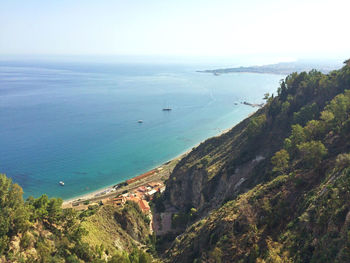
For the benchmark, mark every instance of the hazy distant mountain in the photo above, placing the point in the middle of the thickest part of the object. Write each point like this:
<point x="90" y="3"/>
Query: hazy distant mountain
<point x="281" y="68"/>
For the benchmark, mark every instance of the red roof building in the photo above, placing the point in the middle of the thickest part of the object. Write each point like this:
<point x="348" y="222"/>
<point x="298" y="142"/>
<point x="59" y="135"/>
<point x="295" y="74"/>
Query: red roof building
<point x="144" y="206"/>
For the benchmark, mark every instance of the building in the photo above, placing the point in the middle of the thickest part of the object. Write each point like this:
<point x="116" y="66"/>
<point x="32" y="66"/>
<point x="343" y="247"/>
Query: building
<point x="151" y="193"/>
<point x="143" y="204"/>
<point x="119" y="201"/>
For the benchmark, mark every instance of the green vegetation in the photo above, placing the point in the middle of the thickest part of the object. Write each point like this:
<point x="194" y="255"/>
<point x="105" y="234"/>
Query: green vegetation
<point x="275" y="188"/>
<point x="293" y="205"/>
<point x="280" y="161"/>
<point x="39" y="230"/>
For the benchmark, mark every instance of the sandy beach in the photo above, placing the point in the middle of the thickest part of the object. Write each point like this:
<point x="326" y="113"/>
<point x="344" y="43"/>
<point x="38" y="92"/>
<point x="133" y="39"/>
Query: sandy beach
<point x="161" y="173"/>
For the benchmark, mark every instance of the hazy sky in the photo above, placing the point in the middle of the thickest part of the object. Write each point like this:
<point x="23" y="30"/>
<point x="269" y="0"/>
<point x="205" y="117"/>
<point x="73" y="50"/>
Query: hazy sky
<point x="178" y="27"/>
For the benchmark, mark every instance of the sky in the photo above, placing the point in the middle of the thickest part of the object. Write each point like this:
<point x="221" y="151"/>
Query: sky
<point x="176" y="28"/>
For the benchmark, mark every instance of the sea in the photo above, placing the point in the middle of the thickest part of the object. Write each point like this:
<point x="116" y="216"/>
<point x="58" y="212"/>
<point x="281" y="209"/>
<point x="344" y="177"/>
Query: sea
<point x="78" y="122"/>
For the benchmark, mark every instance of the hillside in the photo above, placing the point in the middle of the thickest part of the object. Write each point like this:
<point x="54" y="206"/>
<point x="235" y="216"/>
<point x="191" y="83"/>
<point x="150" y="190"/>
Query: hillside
<point x="276" y="187"/>
<point x="39" y="230"/>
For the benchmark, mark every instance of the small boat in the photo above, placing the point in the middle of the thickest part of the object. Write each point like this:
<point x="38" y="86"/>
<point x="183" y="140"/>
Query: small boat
<point x="167" y="109"/>
<point x="61" y="183"/>
<point x="140" y="121"/>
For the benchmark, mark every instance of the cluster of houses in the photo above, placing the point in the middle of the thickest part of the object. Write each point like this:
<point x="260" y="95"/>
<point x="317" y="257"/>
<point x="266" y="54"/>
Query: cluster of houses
<point x="140" y="195"/>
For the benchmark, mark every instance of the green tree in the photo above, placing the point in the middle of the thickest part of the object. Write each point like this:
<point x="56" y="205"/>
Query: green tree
<point x="297" y="137"/>
<point x="314" y="130"/>
<point x="54" y="210"/>
<point x="312" y="152"/>
<point x="14" y="217"/>
<point x="285" y="107"/>
<point x="266" y="96"/>
<point x="256" y="125"/>
<point x="280" y="161"/>
<point x="339" y="107"/>
<point x="306" y="113"/>
<point x="343" y="161"/>
<point x="327" y="116"/>
<point x="134" y="256"/>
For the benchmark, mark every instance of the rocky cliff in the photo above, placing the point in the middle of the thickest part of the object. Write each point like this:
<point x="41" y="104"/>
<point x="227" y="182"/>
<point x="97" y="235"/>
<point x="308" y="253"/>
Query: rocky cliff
<point x="275" y="187"/>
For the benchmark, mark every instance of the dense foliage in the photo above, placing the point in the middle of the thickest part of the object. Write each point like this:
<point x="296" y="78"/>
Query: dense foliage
<point x="39" y="230"/>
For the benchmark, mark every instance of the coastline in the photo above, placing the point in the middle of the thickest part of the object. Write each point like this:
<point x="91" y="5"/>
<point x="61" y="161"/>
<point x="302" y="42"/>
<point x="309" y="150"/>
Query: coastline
<point x="163" y="172"/>
<point x="105" y="192"/>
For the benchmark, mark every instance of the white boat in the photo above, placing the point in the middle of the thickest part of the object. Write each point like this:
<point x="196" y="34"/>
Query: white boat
<point x="61" y="183"/>
<point x="140" y="121"/>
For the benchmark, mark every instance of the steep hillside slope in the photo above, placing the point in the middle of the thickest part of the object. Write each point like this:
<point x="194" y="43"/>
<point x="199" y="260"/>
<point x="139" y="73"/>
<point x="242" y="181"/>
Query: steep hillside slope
<point x="290" y="162"/>
<point x="39" y="230"/>
<point x="224" y="166"/>
<point x="118" y="229"/>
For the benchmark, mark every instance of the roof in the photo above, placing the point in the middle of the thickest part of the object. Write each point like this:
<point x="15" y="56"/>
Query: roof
<point x="144" y="205"/>
<point x="152" y="192"/>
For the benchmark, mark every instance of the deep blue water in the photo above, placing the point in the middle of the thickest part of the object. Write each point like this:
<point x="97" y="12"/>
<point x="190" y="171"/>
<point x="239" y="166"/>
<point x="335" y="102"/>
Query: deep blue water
<point x="77" y="122"/>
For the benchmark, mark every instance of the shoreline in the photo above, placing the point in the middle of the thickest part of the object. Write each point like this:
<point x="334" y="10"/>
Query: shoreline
<point x="107" y="191"/>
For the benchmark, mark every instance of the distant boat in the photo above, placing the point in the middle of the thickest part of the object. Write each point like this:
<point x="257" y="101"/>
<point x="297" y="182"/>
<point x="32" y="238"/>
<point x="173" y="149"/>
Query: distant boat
<point x="167" y="109"/>
<point x="140" y="121"/>
<point x="61" y="183"/>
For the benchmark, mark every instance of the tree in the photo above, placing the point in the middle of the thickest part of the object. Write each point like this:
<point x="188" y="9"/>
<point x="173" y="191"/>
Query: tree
<point x="285" y="107"/>
<point x="347" y="62"/>
<point x="282" y="91"/>
<point x="40" y="207"/>
<point x="134" y="256"/>
<point x="14" y="217"/>
<point x="312" y="152"/>
<point x="339" y="107"/>
<point x="54" y="209"/>
<point x="280" y="161"/>
<point x="343" y="160"/>
<point x="255" y="125"/>
<point x="297" y="137"/>
<point x="314" y="129"/>
<point x="327" y="116"/>
<point x="306" y="113"/>
<point x="266" y="96"/>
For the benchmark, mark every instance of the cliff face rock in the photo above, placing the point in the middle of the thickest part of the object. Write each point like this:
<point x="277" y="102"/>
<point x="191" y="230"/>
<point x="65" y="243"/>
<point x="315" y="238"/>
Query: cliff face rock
<point x="218" y="170"/>
<point x="133" y="222"/>
<point x="289" y="219"/>
<point x="187" y="188"/>
<point x="193" y="188"/>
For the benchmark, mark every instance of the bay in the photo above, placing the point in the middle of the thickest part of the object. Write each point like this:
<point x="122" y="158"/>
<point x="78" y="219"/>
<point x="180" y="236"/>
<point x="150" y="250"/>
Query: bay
<point x="78" y="122"/>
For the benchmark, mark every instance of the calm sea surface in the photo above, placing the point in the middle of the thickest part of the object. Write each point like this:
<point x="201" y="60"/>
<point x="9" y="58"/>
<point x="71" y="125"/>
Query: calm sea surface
<point x="77" y="123"/>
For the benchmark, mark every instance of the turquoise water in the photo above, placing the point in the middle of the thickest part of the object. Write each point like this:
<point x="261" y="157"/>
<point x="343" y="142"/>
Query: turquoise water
<point x="77" y="122"/>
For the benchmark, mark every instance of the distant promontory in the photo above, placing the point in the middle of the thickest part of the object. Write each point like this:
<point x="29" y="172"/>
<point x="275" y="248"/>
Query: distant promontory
<point x="283" y="68"/>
